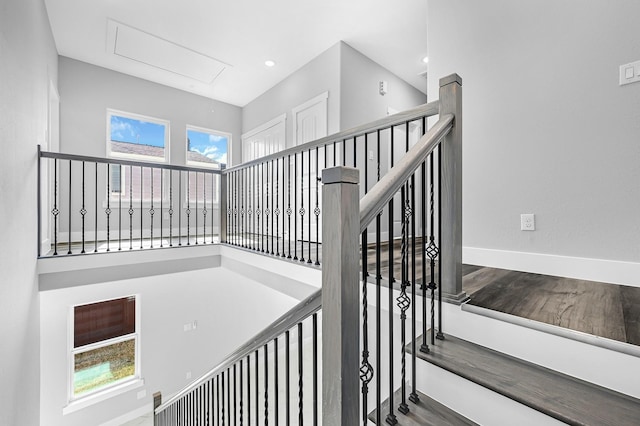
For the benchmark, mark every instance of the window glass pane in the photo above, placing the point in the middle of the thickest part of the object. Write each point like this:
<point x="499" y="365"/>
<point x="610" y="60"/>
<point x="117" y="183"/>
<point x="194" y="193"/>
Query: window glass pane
<point x="136" y="137"/>
<point x="103" y="366"/>
<point x="104" y="320"/>
<point x="207" y="148"/>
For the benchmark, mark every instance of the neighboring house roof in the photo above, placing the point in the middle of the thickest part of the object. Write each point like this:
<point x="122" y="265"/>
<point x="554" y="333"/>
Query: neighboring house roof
<point x="155" y="151"/>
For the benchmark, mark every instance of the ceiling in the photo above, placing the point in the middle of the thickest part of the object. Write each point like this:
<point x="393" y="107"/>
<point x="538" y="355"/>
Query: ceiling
<point x="218" y="48"/>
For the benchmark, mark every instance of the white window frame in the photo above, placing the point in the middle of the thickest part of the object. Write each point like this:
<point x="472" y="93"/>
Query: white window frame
<point x="212" y="132"/>
<point x="167" y="136"/>
<point x="113" y="389"/>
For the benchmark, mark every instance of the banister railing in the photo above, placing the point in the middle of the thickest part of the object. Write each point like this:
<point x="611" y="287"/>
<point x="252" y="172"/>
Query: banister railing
<point x="273" y="204"/>
<point x="425" y="185"/>
<point x="94" y="204"/>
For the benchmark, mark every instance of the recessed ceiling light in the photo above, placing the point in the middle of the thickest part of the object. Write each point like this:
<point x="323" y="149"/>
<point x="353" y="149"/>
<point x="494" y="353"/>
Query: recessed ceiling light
<point x="269" y="63"/>
<point x="425" y="59"/>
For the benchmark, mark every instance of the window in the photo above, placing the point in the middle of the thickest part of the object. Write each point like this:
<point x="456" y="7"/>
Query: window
<point x="207" y="148"/>
<point x="105" y="346"/>
<point x="139" y="138"/>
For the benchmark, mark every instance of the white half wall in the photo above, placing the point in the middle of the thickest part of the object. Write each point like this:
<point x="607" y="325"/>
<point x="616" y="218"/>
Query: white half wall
<point x="547" y="128"/>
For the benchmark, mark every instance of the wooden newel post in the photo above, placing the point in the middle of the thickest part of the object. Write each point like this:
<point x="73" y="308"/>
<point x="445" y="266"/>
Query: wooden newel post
<point x="157" y="401"/>
<point x="451" y="202"/>
<point x="223" y="207"/>
<point x="340" y="296"/>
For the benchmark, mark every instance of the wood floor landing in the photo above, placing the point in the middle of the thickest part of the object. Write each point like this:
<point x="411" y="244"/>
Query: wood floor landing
<point x="425" y="412"/>
<point x="606" y="310"/>
<point x="565" y="398"/>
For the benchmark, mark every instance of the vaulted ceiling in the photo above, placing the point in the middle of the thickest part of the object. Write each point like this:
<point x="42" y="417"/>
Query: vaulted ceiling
<point x="218" y="48"/>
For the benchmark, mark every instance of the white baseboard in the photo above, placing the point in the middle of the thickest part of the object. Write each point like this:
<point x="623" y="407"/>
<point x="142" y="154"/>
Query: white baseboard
<point x="609" y="271"/>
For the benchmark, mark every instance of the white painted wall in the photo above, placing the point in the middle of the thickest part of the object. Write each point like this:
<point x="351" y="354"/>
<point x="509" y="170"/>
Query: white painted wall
<point x="218" y="299"/>
<point x="320" y="75"/>
<point x="29" y="61"/>
<point x="547" y="128"/>
<point x="360" y="100"/>
<point x="86" y="91"/>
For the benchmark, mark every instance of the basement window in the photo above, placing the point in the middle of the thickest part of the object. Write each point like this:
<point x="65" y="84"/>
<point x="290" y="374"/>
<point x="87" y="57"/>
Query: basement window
<point x="105" y="346"/>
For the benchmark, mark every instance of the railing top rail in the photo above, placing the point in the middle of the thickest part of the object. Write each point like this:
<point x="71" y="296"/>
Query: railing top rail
<point x="426" y="110"/>
<point x="89" y="159"/>
<point x="298" y="313"/>
<point x="373" y="202"/>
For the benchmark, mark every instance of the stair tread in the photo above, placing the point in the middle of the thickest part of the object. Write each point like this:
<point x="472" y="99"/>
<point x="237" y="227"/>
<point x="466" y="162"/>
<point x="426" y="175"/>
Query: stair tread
<point x="425" y="412"/>
<point x="558" y="395"/>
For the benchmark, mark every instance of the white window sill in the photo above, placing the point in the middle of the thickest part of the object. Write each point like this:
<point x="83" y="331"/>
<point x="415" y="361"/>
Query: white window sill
<point x="84" y="402"/>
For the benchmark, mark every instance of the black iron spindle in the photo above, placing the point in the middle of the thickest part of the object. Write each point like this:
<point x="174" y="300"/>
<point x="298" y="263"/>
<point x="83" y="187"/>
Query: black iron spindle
<point x="170" y="208"/>
<point x="107" y="211"/>
<point x="287" y="379"/>
<point x="257" y="395"/>
<point x="274" y="198"/>
<point x="249" y="390"/>
<point x="69" y="230"/>
<point x="440" y="334"/>
<point x="261" y="186"/>
<point x="316" y="211"/>
<point x="314" y="319"/>
<point x="391" y="417"/>
<point x="309" y="200"/>
<point x="275" y="381"/>
<point x="403" y="299"/>
<point x="295" y="203"/>
<point x="300" y="372"/>
<point x="95" y="210"/>
<point x="235" y="395"/>
<point x="277" y="214"/>
<point x="424" y="347"/>
<point x="241" y="395"/>
<point x="289" y="211"/>
<point x="204" y="208"/>
<point x="141" y="206"/>
<point x="151" y="212"/>
<point x="188" y="212"/>
<point x="55" y="211"/>
<point x="266" y="386"/>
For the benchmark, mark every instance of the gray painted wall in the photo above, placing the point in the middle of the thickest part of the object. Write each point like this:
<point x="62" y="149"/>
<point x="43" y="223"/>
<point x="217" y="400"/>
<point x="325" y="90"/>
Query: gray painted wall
<point x="86" y="91"/>
<point x="29" y="62"/>
<point x="212" y="297"/>
<point x="360" y="100"/>
<point x="318" y="76"/>
<point x="547" y="128"/>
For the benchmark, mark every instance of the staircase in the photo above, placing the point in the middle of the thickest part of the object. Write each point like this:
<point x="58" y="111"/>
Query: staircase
<point x="304" y="367"/>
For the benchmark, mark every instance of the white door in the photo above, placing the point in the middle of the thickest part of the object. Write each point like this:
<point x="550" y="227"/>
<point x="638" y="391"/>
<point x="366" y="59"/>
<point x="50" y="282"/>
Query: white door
<point x="265" y="139"/>
<point x="309" y="124"/>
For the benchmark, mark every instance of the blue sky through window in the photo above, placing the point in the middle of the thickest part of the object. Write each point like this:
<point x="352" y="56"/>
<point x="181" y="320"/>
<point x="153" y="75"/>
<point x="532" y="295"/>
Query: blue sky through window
<point x="210" y="145"/>
<point x="125" y="129"/>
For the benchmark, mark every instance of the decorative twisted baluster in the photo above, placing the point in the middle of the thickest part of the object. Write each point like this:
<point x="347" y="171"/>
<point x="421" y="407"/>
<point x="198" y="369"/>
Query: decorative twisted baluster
<point x="403" y="300"/>
<point x="366" y="370"/>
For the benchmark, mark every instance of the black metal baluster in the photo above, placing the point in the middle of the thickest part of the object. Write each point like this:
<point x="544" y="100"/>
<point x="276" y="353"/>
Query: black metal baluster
<point x="267" y="211"/>
<point x="266" y="386"/>
<point x="309" y="199"/>
<point x="241" y="395"/>
<point x="413" y="397"/>
<point x="95" y="209"/>
<point x="344" y="152"/>
<point x="423" y="285"/>
<point x="250" y="206"/>
<point x="130" y="207"/>
<point x="141" y="206"/>
<point x="188" y="212"/>
<point x="151" y="212"/>
<point x="69" y="230"/>
<point x="242" y="213"/>
<point x="274" y="198"/>
<point x="119" y="210"/>
<point x="289" y="211"/>
<point x="262" y="232"/>
<point x="314" y="319"/>
<point x="378" y="298"/>
<point x="171" y="208"/>
<point x="180" y="208"/>
<point x="223" y="421"/>
<point x="235" y="395"/>
<point x="275" y="380"/>
<point x="277" y="213"/>
<point x="257" y="390"/>
<point x="204" y="208"/>
<point x="302" y="210"/>
<point x="316" y="211"/>
<point x="228" y="397"/>
<point x="354" y="153"/>
<point x="391" y="417"/>
<point x="440" y="334"/>
<point x="287" y="379"/>
<point x="300" y="371"/>
<point x="403" y="299"/>
<point x="334" y="154"/>
<point x="108" y="209"/>
<point x="213" y="188"/>
<point x="295" y="203"/>
<point x="55" y="211"/>
<point x="196" y="208"/>
<point x="366" y="371"/>
<point x="249" y="390"/>
<point x="161" y="207"/>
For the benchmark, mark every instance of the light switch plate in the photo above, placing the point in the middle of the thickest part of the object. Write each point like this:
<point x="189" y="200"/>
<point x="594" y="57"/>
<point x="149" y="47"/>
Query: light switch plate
<point x="629" y="73"/>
